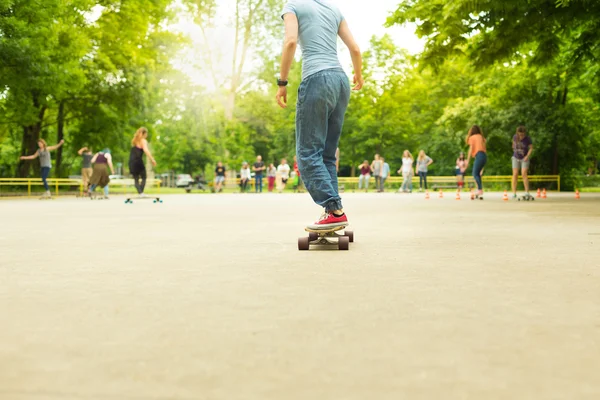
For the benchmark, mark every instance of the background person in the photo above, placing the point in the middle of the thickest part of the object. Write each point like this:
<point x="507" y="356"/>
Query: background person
<point x="460" y="170"/>
<point x="271" y="175"/>
<point x="365" y="175"/>
<point x="522" y="149"/>
<point x="139" y="147"/>
<point x="258" y="168"/>
<point x="477" y="150"/>
<point x="376" y="169"/>
<point x="244" y="176"/>
<point x="86" y="166"/>
<point x="423" y="162"/>
<point x="407" y="172"/>
<point x="219" y="177"/>
<point x="283" y="169"/>
<point x="102" y="162"/>
<point x="385" y="172"/>
<point x="43" y="153"/>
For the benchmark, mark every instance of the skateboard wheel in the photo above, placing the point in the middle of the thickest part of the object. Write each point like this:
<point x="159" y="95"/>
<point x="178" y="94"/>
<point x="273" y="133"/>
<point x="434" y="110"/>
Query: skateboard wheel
<point x="154" y="201"/>
<point x="344" y="243"/>
<point x="350" y="236"/>
<point x="160" y="201"/>
<point x="303" y="243"/>
<point x="312" y="236"/>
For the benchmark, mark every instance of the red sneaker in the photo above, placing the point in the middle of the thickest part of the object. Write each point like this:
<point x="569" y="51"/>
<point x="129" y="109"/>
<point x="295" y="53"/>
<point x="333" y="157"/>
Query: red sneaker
<point x="329" y="220"/>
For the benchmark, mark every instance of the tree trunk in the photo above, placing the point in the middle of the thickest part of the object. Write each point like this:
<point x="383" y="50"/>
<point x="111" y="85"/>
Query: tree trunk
<point x="60" y="129"/>
<point x="31" y="134"/>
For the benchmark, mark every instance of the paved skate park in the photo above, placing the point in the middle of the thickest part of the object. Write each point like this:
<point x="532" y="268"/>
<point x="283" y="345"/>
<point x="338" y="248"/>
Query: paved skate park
<point x="208" y="297"/>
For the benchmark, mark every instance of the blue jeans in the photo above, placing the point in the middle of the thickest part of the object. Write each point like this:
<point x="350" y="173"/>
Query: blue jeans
<point x="480" y="160"/>
<point x="322" y="101"/>
<point x="258" y="183"/>
<point x="45" y="173"/>
<point x="422" y="179"/>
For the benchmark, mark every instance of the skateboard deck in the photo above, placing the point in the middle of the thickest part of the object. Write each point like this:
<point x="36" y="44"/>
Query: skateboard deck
<point x="327" y="237"/>
<point x="97" y="196"/>
<point x="526" y="197"/>
<point x="130" y="200"/>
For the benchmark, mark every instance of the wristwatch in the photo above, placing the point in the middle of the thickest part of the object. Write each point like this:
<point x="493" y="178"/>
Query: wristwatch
<point x="281" y="83"/>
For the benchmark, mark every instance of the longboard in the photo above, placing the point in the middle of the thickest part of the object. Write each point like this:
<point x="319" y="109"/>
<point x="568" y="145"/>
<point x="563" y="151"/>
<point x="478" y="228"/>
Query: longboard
<point x="327" y="237"/>
<point x="526" y="197"/>
<point x="129" y="200"/>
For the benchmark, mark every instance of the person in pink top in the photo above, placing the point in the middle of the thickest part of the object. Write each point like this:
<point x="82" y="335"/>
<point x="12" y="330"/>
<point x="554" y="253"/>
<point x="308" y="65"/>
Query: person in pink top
<point x="461" y="169"/>
<point x="477" y="150"/>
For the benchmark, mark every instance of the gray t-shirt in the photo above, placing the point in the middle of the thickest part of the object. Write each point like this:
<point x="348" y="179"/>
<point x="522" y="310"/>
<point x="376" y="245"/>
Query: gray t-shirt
<point x="87" y="160"/>
<point x="318" y="25"/>
<point x="422" y="164"/>
<point x="45" y="160"/>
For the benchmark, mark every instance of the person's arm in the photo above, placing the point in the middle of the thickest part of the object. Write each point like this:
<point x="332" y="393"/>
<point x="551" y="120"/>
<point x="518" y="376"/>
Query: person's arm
<point x="110" y="164"/>
<point x="81" y="150"/>
<point x="31" y="157"/>
<point x="290" y="43"/>
<point x="147" y="152"/>
<point x="528" y="153"/>
<point x="94" y="158"/>
<point x="430" y="162"/>
<point x="348" y="39"/>
<point x="52" y="148"/>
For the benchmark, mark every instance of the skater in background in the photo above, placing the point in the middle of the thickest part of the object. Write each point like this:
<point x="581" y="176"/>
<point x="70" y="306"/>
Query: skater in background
<point x="522" y="148"/>
<point x="407" y="172"/>
<point x="102" y="162"/>
<point x="271" y="175"/>
<point x="139" y="147"/>
<point x="477" y="150"/>
<point x="365" y="175"/>
<point x="43" y="153"/>
<point x="460" y="170"/>
<point x="86" y="166"/>
<point x="219" y="177"/>
<point x="423" y="162"/>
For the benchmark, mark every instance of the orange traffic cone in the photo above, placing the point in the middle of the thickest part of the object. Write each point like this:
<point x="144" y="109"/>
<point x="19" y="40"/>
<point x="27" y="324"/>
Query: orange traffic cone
<point x="441" y="194"/>
<point x="577" y="195"/>
<point x="539" y="194"/>
<point x="544" y="193"/>
<point x="505" y="197"/>
<point x="458" y="195"/>
<point x="427" y="195"/>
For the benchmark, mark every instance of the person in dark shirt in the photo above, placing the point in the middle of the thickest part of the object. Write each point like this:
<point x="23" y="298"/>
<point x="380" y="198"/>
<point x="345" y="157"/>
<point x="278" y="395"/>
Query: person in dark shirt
<point x="86" y="166"/>
<point x="258" y="168"/>
<point x="522" y="148"/>
<point x="219" y="177"/>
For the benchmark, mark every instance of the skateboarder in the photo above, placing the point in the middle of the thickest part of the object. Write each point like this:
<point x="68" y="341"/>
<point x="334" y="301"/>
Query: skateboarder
<point x="139" y="147"/>
<point x="323" y="97"/>
<point x="522" y="149"/>
<point x="460" y="170"/>
<point x="86" y="166"/>
<point x="477" y="150"/>
<point x="102" y="161"/>
<point x="45" y="161"/>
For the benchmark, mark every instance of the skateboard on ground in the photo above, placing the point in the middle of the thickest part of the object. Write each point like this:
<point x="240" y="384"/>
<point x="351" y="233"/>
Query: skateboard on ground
<point x="44" y="197"/>
<point x="129" y="200"/>
<point x="327" y="237"/>
<point x="476" y="196"/>
<point x="97" y="196"/>
<point x="526" y="197"/>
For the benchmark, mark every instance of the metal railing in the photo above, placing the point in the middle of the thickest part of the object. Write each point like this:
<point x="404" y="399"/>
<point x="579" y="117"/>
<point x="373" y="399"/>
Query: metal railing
<point x="56" y="183"/>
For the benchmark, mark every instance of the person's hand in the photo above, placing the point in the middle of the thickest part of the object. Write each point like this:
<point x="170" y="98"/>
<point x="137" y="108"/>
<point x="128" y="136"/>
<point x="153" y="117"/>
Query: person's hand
<point x="281" y="96"/>
<point x="358" y="82"/>
<point x="153" y="162"/>
<point x="61" y="141"/>
<point x="22" y="158"/>
<point x="526" y="158"/>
